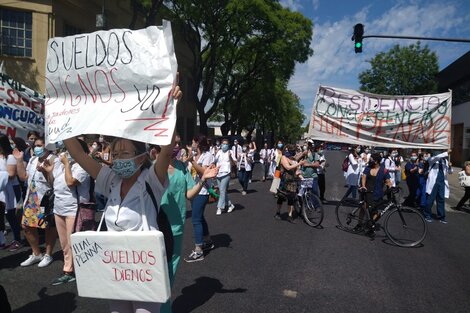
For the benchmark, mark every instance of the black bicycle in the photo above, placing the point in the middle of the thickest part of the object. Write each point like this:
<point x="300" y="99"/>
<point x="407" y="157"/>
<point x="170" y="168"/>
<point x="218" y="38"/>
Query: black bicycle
<point x="308" y="204"/>
<point x="404" y="226"/>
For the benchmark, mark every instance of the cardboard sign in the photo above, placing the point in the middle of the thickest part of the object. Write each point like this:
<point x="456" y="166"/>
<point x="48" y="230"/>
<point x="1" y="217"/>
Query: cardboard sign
<point x="21" y="108"/>
<point x="121" y="265"/>
<point x="349" y="116"/>
<point x="114" y="83"/>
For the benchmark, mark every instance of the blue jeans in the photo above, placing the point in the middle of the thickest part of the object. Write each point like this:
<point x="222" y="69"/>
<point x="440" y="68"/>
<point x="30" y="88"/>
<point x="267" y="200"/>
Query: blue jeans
<point x="352" y="189"/>
<point x="421" y="192"/>
<point x="200" y="227"/>
<point x="243" y="178"/>
<point x="222" y="182"/>
<point x="437" y="194"/>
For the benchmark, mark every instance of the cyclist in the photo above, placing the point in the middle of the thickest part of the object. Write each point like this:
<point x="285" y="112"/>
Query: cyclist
<point x="374" y="179"/>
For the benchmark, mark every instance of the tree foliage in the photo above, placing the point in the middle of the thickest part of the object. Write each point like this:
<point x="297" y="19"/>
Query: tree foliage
<point x="238" y="46"/>
<point x="409" y="70"/>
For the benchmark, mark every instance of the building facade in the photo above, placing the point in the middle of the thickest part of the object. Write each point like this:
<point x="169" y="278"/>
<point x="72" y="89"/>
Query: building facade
<point x="26" y="26"/>
<point x="456" y="77"/>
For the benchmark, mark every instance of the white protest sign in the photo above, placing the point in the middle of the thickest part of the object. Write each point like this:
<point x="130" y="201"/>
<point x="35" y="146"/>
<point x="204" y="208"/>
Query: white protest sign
<point x="114" y="83"/>
<point x="21" y="108"/>
<point x="349" y="116"/>
<point x="123" y="265"/>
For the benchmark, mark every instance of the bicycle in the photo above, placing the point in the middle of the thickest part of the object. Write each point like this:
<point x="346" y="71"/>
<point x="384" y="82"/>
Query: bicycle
<point x="404" y="226"/>
<point x="308" y="204"/>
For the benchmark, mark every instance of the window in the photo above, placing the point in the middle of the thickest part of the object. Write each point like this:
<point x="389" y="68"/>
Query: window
<point x="16" y="33"/>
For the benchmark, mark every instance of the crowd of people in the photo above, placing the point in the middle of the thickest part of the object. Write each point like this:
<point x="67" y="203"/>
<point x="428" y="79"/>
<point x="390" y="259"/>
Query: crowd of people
<point x="109" y="174"/>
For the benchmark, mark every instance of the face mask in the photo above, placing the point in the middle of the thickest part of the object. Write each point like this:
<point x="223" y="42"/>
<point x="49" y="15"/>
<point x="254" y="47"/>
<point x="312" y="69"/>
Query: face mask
<point x="94" y="147"/>
<point x="320" y="151"/>
<point x="31" y="143"/>
<point x="217" y="143"/>
<point x="39" y="151"/>
<point x="244" y="149"/>
<point x="367" y="150"/>
<point x="413" y="158"/>
<point x="358" y="150"/>
<point x="101" y="139"/>
<point x="224" y="147"/>
<point x="280" y="145"/>
<point x="394" y="154"/>
<point x="426" y="158"/>
<point x="125" y="168"/>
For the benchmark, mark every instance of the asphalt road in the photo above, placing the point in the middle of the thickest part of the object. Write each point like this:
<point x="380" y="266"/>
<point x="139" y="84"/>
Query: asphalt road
<point x="264" y="265"/>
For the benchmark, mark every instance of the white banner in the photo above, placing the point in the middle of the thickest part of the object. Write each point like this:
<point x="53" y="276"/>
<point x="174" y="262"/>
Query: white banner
<point x="127" y="265"/>
<point x="114" y="83"/>
<point x="349" y="116"/>
<point x="21" y="108"/>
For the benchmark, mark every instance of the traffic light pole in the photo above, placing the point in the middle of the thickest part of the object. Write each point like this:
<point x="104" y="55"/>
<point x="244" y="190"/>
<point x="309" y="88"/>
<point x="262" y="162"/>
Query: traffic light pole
<point x="419" y="38"/>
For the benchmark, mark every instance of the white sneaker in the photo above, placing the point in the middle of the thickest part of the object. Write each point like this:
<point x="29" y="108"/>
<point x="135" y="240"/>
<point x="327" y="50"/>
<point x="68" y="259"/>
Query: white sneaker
<point x="230" y="208"/>
<point x="46" y="260"/>
<point x="219" y="211"/>
<point x="32" y="260"/>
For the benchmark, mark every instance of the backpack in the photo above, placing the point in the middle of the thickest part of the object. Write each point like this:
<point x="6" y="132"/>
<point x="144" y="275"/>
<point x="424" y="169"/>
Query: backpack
<point x="345" y="164"/>
<point x="163" y="225"/>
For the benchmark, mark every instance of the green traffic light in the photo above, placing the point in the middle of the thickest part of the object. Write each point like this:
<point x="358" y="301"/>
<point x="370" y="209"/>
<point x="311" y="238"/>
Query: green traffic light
<point x="358" y="45"/>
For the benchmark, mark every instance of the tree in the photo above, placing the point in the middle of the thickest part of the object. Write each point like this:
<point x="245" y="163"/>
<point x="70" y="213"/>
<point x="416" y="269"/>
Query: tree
<point x="147" y="8"/>
<point x="235" y="43"/>
<point x="407" y="70"/>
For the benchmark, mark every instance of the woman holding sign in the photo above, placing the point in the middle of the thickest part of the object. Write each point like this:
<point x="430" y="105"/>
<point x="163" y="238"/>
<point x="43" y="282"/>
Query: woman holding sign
<point x="125" y="186"/>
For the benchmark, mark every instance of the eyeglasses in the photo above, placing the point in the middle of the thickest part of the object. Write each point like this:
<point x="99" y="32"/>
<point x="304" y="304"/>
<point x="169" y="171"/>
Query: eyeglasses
<point x="123" y="155"/>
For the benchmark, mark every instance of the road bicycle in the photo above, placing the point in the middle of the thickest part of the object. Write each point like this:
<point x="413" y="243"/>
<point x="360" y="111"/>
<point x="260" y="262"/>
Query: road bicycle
<point x="308" y="204"/>
<point x="404" y="226"/>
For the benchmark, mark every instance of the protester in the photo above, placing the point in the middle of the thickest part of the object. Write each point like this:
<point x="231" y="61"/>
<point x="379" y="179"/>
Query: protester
<point x="321" y="171"/>
<point x="71" y="187"/>
<point x="224" y="161"/>
<point x="252" y="151"/>
<point x="38" y="184"/>
<point x="264" y="160"/>
<point x="288" y="189"/>
<point x="423" y="170"/>
<point x="202" y="237"/>
<point x="412" y="179"/>
<point x="310" y="164"/>
<point x="352" y="173"/>
<point x="244" y="165"/>
<point x="125" y="186"/>
<point x="236" y="151"/>
<point x="464" y="179"/>
<point x="181" y="187"/>
<point x="392" y="166"/>
<point x="437" y="186"/>
<point x="31" y="138"/>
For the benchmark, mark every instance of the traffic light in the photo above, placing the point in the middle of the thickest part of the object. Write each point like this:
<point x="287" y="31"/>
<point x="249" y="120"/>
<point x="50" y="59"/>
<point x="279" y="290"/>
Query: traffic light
<point x="357" y="37"/>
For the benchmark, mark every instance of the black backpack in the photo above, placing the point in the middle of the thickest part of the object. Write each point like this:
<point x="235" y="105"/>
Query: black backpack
<point x="163" y="225"/>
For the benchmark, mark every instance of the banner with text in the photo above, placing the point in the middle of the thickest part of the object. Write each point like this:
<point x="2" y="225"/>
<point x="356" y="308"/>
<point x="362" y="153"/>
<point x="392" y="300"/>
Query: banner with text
<point x="126" y="265"/>
<point x="349" y="116"/>
<point x="115" y="83"/>
<point x="21" y="108"/>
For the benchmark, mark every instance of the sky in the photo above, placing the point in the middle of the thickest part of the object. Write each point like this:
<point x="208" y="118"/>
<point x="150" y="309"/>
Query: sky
<point x="334" y="62"/>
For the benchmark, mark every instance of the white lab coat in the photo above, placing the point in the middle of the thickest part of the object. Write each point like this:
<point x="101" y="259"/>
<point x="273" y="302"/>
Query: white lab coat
<point x="434" y="170"/>
<point x="352" y="174"/>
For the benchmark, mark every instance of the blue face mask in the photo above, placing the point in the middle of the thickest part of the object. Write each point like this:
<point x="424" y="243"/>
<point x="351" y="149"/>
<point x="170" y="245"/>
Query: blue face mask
<point x="224" y="147"/>
<point x="39" y="151"/>
<point x="280" y="145"/>
<point x="125" y="168"/>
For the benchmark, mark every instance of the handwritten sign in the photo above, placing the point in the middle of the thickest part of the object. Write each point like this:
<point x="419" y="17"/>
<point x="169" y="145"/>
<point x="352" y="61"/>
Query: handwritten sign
<point x="21" y="108"/>
<point x="349" y="116"/>
<point x="114" y="83"/>
<point x="121" y="265"/>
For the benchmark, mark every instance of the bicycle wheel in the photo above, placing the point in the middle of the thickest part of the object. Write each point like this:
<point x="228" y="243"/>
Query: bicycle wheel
<point x="350" y="215"/>
<point x="405" y="227"/>
<point x="312" y="209"/>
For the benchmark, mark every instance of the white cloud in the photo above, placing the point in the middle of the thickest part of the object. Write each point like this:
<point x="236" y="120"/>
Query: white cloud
<point x="335" y="63"/>
<point x="294" y="5"/>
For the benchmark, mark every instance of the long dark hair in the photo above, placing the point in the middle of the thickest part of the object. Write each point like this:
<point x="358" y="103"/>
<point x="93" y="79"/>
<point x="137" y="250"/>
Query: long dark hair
<point x="203" y="144"/>
<point x="5" y="145"/>
<point x="20" y="143"/>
